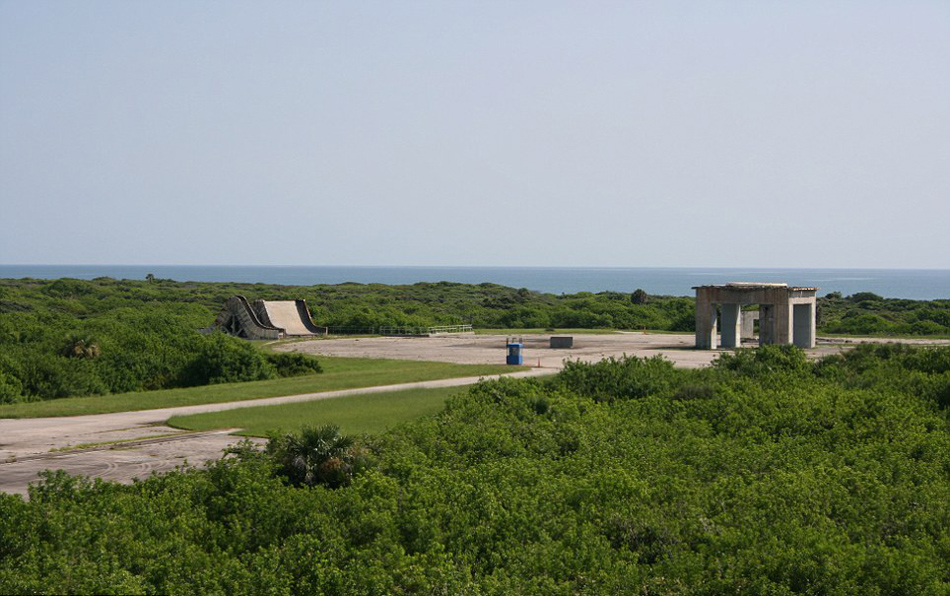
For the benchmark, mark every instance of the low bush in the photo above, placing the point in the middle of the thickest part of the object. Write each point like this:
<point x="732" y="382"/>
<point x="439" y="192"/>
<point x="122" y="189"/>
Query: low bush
<point x="225" y="359"/>
<point x="624" y="378"/>
<point x="288" y="364"/>
<point x="752" y="362"/>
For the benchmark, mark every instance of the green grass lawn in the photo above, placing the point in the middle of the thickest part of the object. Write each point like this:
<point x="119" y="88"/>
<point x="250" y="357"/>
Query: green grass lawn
<point x="357" y="414"/>
<point x="338" y="373"/>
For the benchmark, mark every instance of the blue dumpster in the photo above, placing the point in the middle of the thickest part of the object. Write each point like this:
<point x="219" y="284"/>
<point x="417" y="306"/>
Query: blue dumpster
<point x="514" y="353"/>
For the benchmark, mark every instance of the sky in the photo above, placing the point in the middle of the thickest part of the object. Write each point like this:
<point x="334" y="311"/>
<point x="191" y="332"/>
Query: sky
<point x="484" y="133"/>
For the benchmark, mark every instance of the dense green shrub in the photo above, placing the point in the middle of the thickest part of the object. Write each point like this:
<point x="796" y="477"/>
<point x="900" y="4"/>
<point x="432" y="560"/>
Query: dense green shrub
<point x="865" y="313"/>
<point x="924" y="372"/>
<point x="67" y="288"/>
<point x="753" y="362"/>
<point x="624" y="378"/>
<point x="770" y="476"/>
<point x="861" y="324"/>
<point x="865" y="297"/>
<point x="55" y="376"/>
<point x="10" y="388"/>
<point x="225" y="359"/>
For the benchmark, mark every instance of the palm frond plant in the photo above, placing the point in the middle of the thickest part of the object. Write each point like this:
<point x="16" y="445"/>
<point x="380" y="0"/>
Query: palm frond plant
<point x="315" y="455"/>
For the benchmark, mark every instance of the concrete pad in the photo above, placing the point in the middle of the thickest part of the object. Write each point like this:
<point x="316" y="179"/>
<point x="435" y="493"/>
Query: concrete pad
<point x="490" y="349"/>
<point x="121" y="462"/>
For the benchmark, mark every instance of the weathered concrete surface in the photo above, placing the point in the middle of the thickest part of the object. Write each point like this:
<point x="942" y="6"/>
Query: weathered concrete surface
<point x="731" y="325"/>
<point x="121" y="462"/>
<point x="490" y="349"/>
<point x="292" y="317"/>
<point x="749" y="317"/>
<point x="804" y="324"/>
<point x="285" y="315"/>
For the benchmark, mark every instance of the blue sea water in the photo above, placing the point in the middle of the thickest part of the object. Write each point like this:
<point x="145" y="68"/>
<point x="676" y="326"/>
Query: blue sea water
<point x="918" y="284"/>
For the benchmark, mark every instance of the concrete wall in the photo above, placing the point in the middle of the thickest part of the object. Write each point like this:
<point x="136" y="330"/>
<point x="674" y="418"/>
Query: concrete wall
<point x="706" y="314"/>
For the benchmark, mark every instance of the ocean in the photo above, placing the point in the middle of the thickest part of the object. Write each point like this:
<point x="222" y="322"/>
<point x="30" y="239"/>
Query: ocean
<point x="917" y="284"/>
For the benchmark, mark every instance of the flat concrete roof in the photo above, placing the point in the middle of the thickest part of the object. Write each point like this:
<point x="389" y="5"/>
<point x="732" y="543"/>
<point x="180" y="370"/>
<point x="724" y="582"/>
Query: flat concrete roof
<point x="751" y="285"/>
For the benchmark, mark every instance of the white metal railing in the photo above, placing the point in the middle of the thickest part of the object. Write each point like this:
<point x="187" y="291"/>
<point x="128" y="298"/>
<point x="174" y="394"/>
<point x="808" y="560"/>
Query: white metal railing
<point x="451" y="329"/>
<point x="331" y="330"/>
<point x="403" y="331"/>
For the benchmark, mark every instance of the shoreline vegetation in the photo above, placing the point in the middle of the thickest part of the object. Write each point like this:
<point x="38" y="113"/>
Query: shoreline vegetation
<point x="67" y="337"/>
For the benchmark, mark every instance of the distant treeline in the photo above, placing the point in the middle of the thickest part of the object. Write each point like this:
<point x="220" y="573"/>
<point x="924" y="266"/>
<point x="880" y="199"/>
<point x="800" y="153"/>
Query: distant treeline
<point x="763" y="474"/>
<point x="70" y="337"/>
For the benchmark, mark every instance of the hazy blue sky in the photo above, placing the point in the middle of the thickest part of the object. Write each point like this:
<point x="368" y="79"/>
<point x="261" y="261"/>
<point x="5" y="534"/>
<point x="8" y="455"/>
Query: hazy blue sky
<point x="782" y="134"/>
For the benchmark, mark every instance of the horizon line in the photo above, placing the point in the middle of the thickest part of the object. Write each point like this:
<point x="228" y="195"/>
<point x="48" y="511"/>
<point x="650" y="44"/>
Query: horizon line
<point x="723" y="267"/>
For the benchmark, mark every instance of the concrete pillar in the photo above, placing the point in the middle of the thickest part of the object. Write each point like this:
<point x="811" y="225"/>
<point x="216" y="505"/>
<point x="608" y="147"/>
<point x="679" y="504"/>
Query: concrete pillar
<point x="783" y="323"/>
<point x="731" y="325"/>
<point x="804" y="325"/>
<point x="749" y="317"/>
<point x="705" y="322"/>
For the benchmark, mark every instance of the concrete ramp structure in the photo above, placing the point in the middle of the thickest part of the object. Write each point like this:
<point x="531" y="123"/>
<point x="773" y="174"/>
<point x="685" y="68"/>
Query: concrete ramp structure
<point x="291" y="316"/>
<point x="786" y="315"/>
<point x="266" y="319"/>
